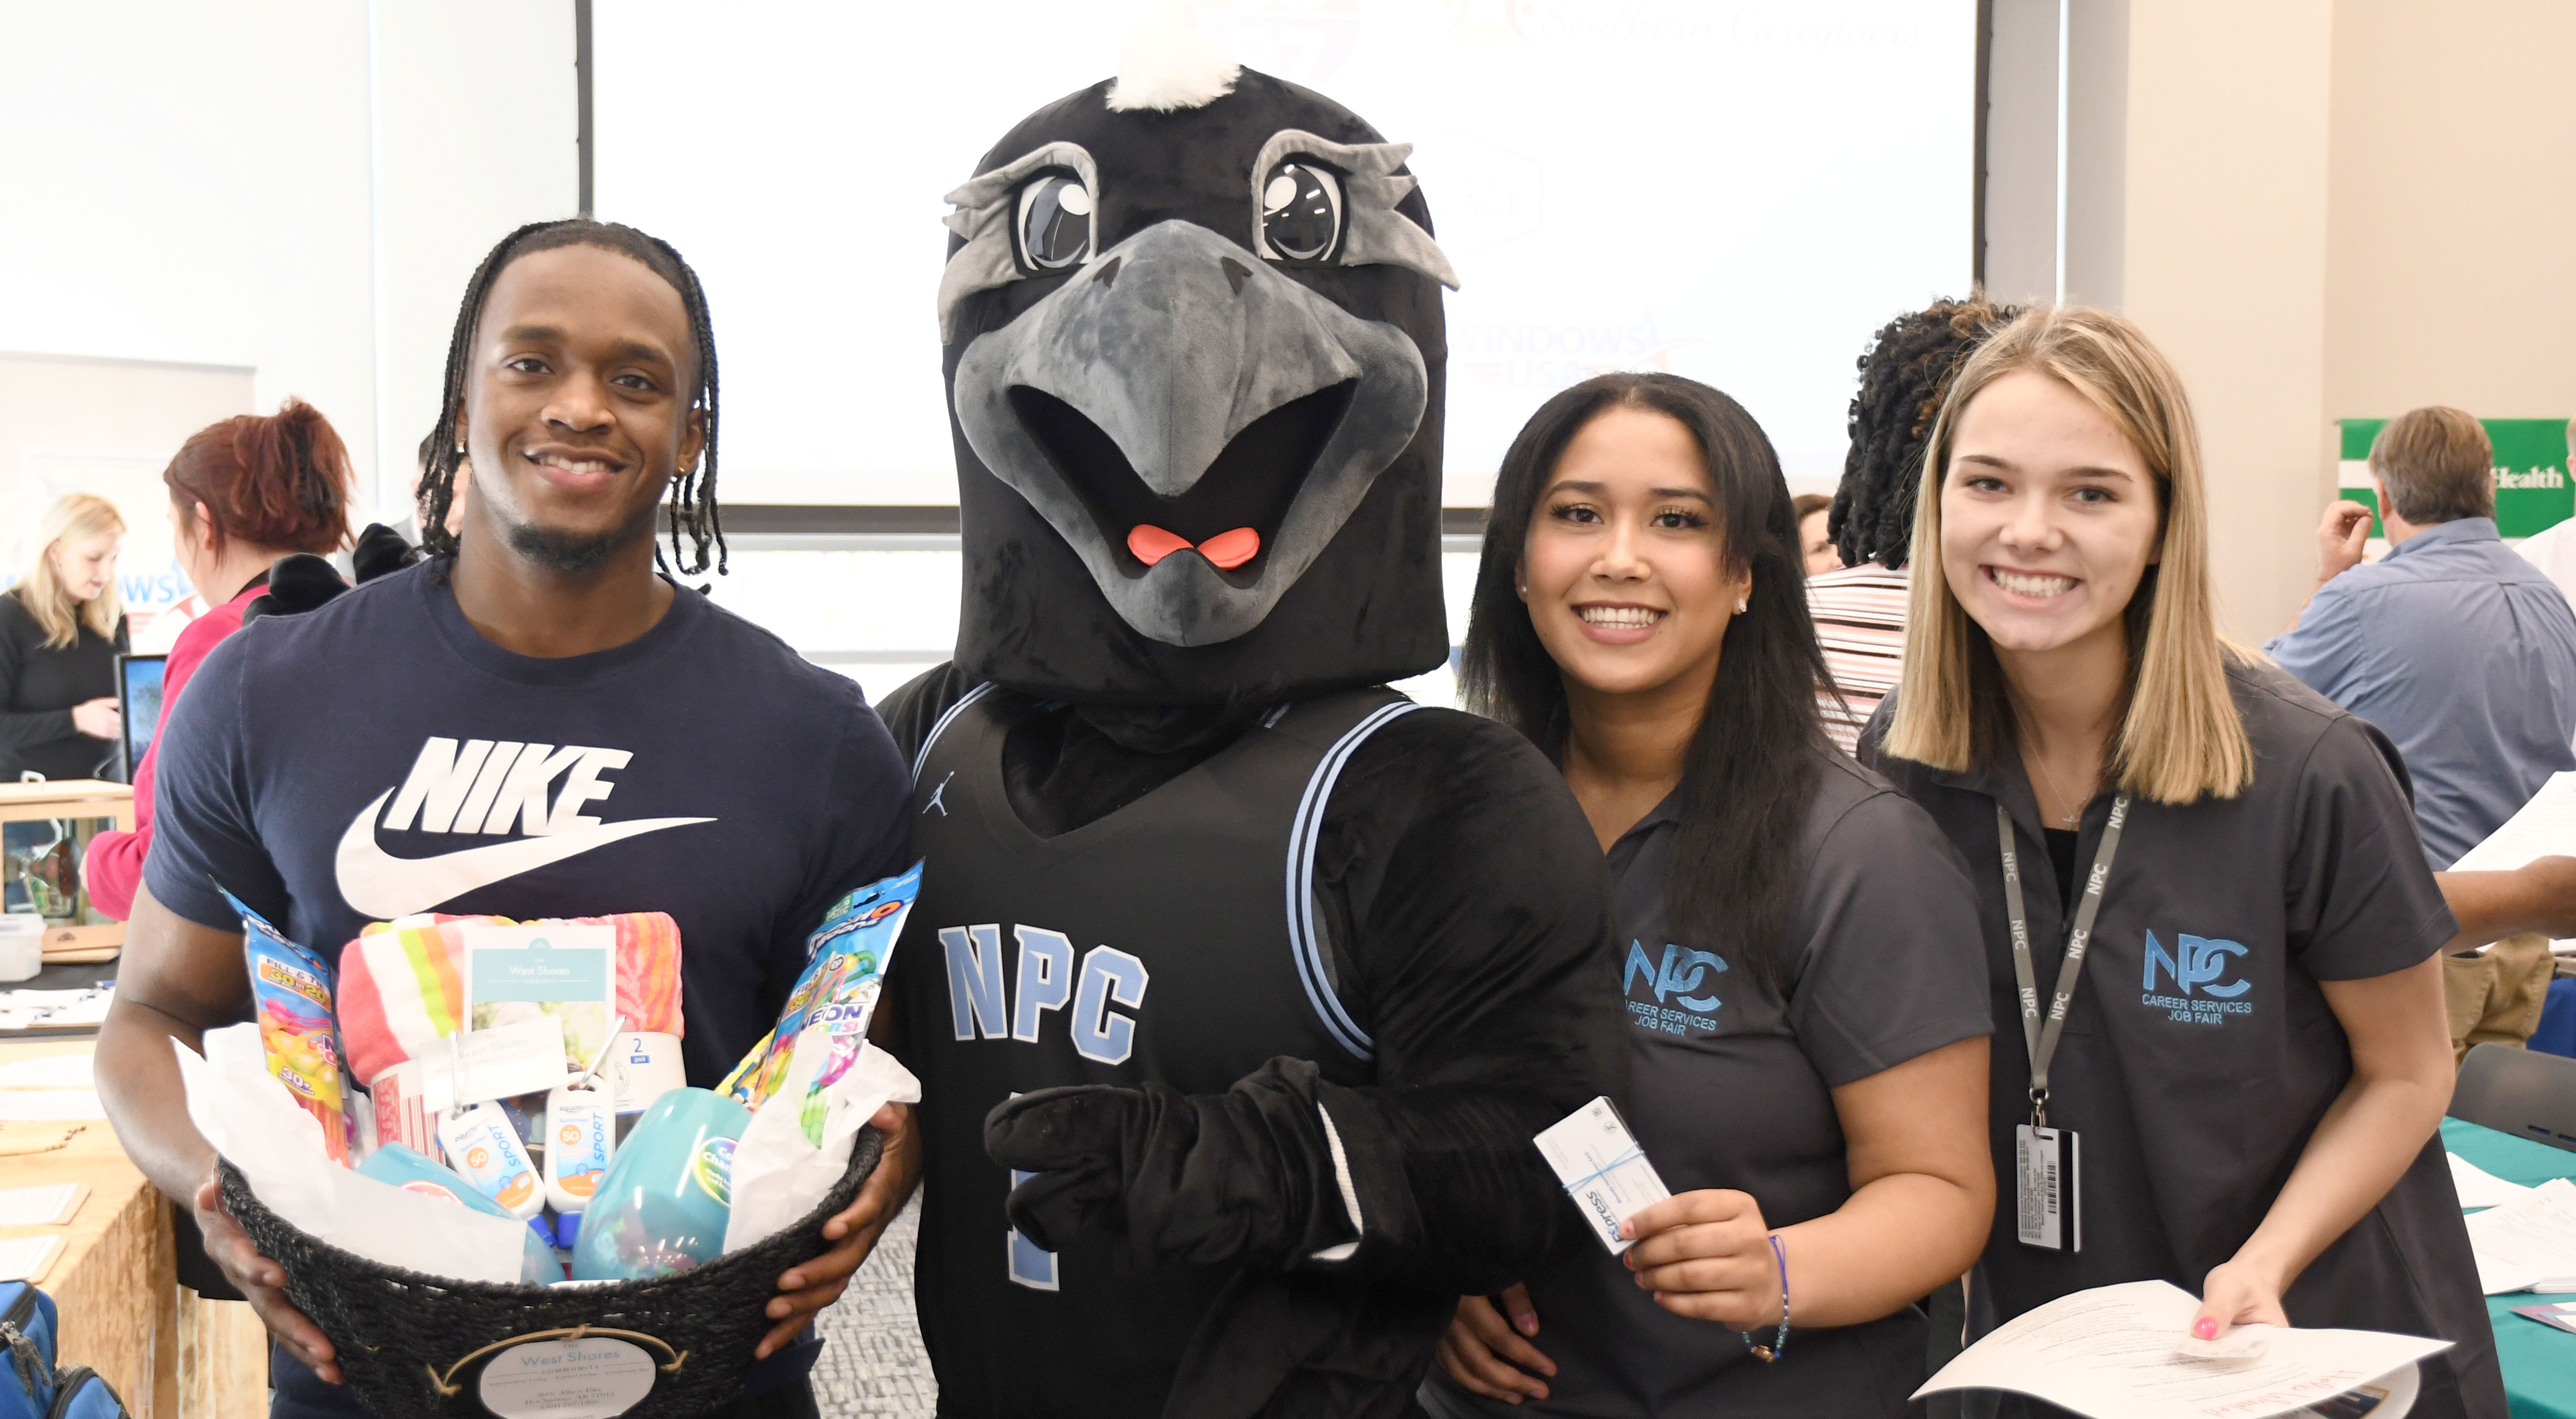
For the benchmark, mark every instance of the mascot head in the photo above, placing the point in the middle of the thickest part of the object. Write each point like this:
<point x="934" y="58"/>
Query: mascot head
<point x="1195" y="362"/>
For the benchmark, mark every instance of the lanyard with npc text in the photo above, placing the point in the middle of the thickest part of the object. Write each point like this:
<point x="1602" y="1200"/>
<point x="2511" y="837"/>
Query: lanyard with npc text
<point x="2041" y="1039"/>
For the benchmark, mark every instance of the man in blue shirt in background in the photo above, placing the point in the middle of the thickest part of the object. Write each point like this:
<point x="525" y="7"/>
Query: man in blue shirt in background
<point x="2460" y="651"/>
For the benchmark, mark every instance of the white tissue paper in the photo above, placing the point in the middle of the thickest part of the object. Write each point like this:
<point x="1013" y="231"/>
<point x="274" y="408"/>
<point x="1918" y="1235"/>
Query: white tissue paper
<point x="777" y="1176"/>
<point x="251" y="1119"/>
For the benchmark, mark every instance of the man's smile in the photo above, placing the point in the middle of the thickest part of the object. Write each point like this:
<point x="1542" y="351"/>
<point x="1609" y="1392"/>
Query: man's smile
<point x="575" y="470"/>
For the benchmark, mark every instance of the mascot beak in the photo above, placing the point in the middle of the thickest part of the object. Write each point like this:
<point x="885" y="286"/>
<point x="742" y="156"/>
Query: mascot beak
<point x="1195" y="425"/>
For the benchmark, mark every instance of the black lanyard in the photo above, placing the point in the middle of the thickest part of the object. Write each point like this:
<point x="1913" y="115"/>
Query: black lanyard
<point x="2041" y="1040"/>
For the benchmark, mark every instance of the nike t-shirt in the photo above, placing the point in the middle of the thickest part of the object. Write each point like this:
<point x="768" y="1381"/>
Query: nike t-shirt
<point x="377" y="756"/>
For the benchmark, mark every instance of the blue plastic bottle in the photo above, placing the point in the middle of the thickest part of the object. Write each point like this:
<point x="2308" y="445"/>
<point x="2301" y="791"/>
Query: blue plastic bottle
<point x="662" y="1205"/>
<point x="408" y="1168"/>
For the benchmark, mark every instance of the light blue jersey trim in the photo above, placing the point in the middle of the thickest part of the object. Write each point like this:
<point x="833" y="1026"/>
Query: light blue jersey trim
<point x="1302" y="838"/>
<point x="940" y="726"/>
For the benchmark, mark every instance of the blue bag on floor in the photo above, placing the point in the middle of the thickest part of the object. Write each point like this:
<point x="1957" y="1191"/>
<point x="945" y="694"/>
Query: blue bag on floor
<point x="30" y="1386"/>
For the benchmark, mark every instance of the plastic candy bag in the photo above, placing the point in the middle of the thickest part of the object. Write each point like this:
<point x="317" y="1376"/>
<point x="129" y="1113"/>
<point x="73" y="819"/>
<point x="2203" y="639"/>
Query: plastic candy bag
<point x="291" y="988"/>
<point x="845" y="964"/>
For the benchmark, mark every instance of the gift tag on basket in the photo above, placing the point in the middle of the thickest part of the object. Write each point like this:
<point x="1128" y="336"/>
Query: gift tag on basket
<point x="577" y="1374"/>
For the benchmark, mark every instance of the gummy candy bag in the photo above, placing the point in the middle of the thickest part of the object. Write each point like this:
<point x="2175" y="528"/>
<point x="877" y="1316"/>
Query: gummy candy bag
<point x="291" y="991"/>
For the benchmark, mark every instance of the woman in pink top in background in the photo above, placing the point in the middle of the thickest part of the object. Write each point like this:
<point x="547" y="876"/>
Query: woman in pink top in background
<point x="243" y="493"/>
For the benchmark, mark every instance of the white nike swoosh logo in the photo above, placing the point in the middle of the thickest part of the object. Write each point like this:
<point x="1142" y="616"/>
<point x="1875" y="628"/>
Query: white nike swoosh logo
<point x="383" y="886"/>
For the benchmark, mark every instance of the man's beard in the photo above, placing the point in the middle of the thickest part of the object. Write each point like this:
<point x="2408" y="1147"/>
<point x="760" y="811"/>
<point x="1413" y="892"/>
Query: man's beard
<point x="572" y="553"/>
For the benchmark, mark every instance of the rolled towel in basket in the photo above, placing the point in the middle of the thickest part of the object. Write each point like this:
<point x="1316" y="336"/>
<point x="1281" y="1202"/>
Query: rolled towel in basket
<point x="402" y="983"/>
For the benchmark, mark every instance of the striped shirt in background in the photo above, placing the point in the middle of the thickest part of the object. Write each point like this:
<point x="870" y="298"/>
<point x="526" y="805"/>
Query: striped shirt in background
<point x="1860" y="622"/>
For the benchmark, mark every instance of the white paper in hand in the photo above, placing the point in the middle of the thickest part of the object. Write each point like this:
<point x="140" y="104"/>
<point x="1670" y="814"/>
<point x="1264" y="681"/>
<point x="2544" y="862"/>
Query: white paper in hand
<point x="2111" y="1353"/>
<point x="1603" y="1169"/>
<point x="2245" y="1342"/>
<point x="778" y="1177"/>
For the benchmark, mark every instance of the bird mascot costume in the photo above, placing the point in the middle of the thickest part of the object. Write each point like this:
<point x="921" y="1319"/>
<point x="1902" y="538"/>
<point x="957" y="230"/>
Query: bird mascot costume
<point x="1238" y="984"/>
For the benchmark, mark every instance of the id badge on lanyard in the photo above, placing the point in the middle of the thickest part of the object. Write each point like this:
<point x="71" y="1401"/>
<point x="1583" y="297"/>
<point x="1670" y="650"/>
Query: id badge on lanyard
<point x="2047" y="1188"/>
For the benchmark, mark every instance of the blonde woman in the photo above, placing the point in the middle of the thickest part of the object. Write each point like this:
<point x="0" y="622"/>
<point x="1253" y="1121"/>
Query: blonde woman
<point x="2253" y="1058"/>
<point x="60" y="631"/>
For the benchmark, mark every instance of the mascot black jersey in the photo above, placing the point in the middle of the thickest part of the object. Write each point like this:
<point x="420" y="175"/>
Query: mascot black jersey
<point x="1239" y="984"/>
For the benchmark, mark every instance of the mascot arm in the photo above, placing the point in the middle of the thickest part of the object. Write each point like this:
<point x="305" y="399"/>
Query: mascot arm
<point x="1469" y="909"/>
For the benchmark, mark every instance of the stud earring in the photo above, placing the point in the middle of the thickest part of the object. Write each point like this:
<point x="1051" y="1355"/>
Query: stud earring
<point x="1741" y="602"/>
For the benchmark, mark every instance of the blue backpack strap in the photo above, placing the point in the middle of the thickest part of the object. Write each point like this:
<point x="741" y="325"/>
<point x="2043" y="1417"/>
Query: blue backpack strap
<point x="27" y="1336"/>
<point x="85" y="1394"/>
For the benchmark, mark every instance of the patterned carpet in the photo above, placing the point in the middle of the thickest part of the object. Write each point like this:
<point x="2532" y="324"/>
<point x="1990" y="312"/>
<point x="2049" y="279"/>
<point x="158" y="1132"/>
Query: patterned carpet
<point x="872" y="1367"/>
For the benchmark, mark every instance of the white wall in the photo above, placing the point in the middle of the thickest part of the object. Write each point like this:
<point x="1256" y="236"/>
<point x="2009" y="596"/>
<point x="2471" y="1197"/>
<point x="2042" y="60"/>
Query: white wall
<point x="69" y="424"/>
<point x="189" y="182"/>
<point x="2319" y="209"/>
<point x="198" y="183"/>
<point x="2448" y="278"/>
<point x="474" y="125"/>
<point x="1736" y="192"/>
<point x="2226" y="269"/>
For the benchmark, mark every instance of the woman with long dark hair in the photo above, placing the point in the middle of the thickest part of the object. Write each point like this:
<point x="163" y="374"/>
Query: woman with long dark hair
<point x="1798" y="944"/>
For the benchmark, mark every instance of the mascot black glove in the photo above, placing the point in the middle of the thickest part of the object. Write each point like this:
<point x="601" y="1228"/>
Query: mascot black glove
<point x="1240" y="1176"/>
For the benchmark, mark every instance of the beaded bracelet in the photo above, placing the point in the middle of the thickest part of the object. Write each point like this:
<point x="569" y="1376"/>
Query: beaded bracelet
<point x="1779" y="1343"/>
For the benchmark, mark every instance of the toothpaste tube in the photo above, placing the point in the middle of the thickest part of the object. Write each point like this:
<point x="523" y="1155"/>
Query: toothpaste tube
<point x="291" y="990"/>
<point x="844" y="969"/>
<point x="482" y="1145"/>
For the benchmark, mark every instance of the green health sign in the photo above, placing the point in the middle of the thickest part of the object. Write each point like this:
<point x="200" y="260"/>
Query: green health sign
<point x="2533" y="490"/>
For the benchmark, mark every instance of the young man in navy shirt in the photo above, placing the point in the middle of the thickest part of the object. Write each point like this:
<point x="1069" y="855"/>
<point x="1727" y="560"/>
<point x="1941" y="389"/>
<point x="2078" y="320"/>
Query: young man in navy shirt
<point x="533" y="724"/>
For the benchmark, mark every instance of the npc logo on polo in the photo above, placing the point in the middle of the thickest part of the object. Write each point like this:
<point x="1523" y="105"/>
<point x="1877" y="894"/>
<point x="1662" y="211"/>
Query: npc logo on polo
<point x="2196" y="972"/>
<point x="1681" y="972"/>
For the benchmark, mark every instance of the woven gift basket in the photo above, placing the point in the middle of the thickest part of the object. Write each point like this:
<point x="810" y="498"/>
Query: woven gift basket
<point x="415" y="1347"/>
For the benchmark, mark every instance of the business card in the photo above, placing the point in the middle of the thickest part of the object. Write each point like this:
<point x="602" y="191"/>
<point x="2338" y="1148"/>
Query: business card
<point x="1603" y="1169"/>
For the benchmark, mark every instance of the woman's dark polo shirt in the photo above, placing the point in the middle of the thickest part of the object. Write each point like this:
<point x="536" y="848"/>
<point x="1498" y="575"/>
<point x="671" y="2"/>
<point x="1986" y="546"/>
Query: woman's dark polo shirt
<point x="2200" y="1053"/>
<point x="1732" y="1087"/>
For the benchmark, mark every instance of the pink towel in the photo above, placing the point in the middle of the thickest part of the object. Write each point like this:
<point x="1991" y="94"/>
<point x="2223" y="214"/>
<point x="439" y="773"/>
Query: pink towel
<point x="402" y="983"/>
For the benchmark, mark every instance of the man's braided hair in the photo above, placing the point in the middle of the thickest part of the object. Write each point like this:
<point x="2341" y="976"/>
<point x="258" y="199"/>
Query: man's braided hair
<point x="693" y="490"/>
<point x="1903" y="378"/>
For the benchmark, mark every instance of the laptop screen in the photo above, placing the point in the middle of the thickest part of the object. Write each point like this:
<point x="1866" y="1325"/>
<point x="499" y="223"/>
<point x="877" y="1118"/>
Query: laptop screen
<point x="138" y="700"/>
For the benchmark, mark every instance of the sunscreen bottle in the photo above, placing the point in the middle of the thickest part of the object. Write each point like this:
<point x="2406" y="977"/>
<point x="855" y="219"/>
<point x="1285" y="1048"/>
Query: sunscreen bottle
<point x="407" y="1168"/>
<point x="581" y="1136"/>
<point x="485" y="1148"/>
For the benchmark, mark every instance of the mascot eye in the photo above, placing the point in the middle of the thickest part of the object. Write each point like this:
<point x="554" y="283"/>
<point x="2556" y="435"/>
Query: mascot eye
<point x="1301" y="211"/>
<point x="1054" y="224"/>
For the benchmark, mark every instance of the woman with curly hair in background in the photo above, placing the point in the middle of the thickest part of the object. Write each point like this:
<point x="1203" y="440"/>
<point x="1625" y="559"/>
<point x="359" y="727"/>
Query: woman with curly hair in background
<point x="1860" y="609"/>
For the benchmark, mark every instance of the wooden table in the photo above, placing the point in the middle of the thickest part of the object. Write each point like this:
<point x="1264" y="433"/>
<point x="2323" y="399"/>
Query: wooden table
<point x="82" y="798"/>
<point x="169" y="1353"/>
